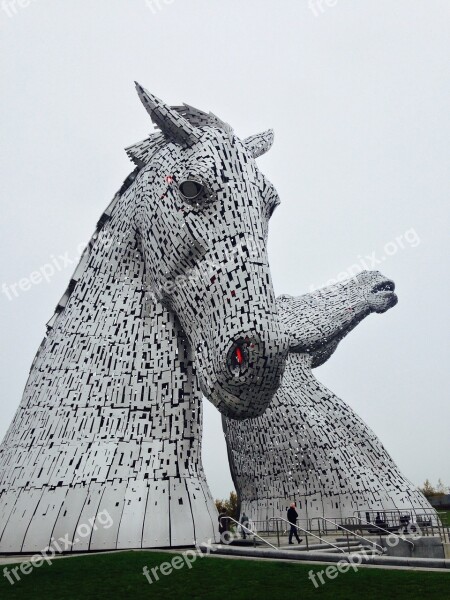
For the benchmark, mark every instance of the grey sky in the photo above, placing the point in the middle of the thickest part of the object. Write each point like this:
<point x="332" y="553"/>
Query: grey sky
<point x="358" y="95"/>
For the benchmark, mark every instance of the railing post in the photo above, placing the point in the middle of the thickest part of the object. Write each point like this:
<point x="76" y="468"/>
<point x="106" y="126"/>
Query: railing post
<point x="348" y="542"/>
<point x="278" y="534"/>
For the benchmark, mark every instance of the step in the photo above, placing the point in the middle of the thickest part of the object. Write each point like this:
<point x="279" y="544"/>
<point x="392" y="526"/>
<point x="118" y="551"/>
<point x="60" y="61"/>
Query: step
<point x="247" y="542"/>
<point x="318" y="547"/>
<point x="352" y="549"/>
<point x="339" y="550"/>
<point x="301" y="555"/>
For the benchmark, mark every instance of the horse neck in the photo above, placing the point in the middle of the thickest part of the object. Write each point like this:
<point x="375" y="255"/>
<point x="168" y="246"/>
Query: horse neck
<point x="113" y="350"/>
<point x="342" y="307"/>
<point x="349" y="292"/>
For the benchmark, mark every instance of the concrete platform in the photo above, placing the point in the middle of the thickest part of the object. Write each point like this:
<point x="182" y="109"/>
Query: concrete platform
<point x="328" y="557"/>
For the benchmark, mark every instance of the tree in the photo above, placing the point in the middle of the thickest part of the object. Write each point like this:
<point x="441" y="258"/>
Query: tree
<point x="428" y="490"/>
<point x="232" y="506"/>
<point x="440" y="488"/>
<point x="229" y="506"/>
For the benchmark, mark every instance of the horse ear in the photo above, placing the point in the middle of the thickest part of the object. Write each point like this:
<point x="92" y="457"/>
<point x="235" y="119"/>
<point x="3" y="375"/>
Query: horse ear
<point x="259" y="143"/>
<point x="174" y="127"/>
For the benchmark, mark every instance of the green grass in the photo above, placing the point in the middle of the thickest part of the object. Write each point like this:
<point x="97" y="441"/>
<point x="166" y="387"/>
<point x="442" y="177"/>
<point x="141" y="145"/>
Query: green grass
<point x="444" y="516"/>
<point x="119" y="576"/>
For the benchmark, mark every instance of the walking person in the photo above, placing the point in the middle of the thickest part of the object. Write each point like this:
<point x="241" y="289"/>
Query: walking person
<point x="244" y="522"/>
<point x="292" y="517"/>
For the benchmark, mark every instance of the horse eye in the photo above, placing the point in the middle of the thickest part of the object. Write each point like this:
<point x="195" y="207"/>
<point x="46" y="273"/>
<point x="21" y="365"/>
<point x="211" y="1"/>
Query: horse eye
<point x="190" y="189"/>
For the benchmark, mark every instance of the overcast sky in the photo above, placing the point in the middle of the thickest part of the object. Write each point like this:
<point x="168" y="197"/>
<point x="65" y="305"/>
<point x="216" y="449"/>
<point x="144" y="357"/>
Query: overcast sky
<point x="358" y="95"/>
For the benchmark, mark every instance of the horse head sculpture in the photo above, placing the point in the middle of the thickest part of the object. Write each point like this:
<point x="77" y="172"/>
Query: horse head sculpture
<point x="310" y="445"/>
<point x="171" y="298"/>
<point x="202" y="210"/>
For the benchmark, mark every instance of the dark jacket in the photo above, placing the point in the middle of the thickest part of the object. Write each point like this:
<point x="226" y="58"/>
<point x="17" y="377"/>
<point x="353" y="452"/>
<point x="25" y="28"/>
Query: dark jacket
<point x="292" y="515"/>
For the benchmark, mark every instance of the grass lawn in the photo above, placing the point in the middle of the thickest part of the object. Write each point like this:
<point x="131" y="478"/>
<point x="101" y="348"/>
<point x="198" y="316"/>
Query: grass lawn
<point x="444" y="516"/>
<point x="119" y="575"/>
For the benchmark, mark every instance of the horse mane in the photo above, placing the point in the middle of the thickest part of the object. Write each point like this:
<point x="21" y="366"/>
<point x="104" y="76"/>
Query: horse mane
<point x="142" y="152"/>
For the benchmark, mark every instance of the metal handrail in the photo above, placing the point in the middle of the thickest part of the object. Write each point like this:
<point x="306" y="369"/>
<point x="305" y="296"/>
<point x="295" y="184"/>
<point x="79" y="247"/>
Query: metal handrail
<point x="385" y="531"/>
<point x="383" y="550"/>
<point x="249" y="531"/>
<point x="307" y="532"/>
<point x="431" y="513"/>
<point x="398" y="512"/>
<point x="264" y="525"/>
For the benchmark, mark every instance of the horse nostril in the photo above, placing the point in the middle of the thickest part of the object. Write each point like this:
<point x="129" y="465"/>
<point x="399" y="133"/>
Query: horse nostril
<point x="237" y="359"/>
<point x="384" y="286"/>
